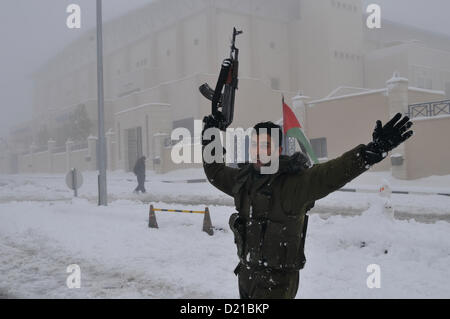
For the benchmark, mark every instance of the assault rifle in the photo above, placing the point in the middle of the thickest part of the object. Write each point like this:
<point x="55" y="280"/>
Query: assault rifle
<point x="222" y="98"/>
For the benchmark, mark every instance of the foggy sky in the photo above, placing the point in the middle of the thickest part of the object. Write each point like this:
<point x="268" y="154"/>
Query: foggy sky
<point x="31" y="32"/>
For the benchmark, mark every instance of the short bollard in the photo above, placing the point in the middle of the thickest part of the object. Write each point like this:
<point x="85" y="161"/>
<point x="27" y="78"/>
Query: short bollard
<point x="207" y="224"/>
<point x="152" y="223"/>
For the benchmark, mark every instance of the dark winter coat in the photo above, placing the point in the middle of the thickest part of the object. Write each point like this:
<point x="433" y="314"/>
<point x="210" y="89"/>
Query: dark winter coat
<point x="139" y="167"/>
<point x="271" y="209"/>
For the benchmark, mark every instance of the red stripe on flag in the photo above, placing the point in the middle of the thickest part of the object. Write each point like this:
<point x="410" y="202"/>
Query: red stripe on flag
<point x="289" y="118"/>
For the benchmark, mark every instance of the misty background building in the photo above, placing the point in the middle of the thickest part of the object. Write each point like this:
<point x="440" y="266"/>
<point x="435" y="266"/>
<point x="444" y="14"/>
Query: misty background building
<point x="320" y="55"/>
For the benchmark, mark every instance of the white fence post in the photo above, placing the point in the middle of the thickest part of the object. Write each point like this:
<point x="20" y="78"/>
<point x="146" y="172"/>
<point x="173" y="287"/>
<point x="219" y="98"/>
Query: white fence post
<point x="31" y="162"/>
<point x="92" y="152"/>
<point x="397" y="94"/>
<point x="51" y="146"/>
<point x="69" y="144"/>
<point x="110" y="150"/>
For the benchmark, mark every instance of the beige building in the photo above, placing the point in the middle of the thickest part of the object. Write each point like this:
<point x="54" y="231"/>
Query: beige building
<point x="155" y="58"/>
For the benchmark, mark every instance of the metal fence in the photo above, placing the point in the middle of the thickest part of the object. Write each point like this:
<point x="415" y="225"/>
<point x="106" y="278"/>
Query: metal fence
<point x="43" y="148"/>
<point x="59" y="149"/>
<point x="79" y="146"/>
<point x="429" y="109"/>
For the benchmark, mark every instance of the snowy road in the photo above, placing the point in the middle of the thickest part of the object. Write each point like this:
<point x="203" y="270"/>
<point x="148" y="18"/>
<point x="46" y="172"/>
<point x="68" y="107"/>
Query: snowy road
<point x="120" y="257"/>
<point x="41" y="187"/>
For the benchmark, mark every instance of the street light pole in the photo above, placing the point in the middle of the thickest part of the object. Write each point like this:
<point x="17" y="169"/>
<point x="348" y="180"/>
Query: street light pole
<point x="101" y="160"/>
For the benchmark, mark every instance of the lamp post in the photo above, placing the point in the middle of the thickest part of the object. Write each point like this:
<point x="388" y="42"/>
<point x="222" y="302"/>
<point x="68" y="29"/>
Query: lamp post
<point x="102" y="194"/>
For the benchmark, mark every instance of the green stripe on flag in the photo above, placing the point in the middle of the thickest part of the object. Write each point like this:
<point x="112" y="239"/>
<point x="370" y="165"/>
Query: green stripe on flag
<point x="297" y="133"/>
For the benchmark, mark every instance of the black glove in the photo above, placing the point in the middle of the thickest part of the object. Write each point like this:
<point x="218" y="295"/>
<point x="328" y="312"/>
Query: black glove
<point x="386" y="138"/>
<point x="210" y="122"/>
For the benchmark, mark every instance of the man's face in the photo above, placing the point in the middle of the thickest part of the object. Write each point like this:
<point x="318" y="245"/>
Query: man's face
<point x="261" y="144"/>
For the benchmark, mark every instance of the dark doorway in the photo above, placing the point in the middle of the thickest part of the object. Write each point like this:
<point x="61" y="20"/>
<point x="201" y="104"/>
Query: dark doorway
<point x="134" y="143"/>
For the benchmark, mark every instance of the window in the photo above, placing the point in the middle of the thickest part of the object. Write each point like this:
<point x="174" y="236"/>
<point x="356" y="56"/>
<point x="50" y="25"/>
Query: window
<point x="319" y="146"/>
<point x="187" y="123"/>
<point x="420" y="82"/>
<point x="275" y="83"/>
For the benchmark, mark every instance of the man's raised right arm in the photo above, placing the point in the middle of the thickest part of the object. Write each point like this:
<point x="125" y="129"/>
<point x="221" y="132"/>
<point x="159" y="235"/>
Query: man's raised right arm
<point x="218" y="174"/>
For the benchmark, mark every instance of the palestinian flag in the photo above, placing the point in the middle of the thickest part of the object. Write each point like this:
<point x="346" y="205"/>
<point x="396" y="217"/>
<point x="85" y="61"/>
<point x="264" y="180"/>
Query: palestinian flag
<point x="292" y="128"/>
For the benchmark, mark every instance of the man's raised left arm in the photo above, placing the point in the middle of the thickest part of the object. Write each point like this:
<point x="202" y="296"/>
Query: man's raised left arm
<point x="323" y="179"/>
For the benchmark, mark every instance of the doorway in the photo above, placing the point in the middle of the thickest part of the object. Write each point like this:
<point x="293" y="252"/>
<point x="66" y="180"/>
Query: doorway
<point x="134" y="143"/>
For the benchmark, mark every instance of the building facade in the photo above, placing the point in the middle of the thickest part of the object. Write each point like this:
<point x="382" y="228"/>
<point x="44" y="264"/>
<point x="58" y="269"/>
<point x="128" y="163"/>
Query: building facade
<point x="156" y="57"/>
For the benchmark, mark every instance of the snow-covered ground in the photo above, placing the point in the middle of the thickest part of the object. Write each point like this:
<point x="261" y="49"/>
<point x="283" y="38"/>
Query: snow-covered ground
<point x="43" y="229"/>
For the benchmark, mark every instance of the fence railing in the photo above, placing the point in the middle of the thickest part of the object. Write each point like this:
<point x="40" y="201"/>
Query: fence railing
<point x="40" y="149"/>
<point x="79" y="146"/>
<point x="59" y="149"/>
<point x="429" y="109"/>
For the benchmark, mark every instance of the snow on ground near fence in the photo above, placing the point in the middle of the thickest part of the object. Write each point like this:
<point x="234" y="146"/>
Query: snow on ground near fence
<point x="40" y="187"/>
<point x="43" y="230"/>
<point x="121" y="257"/>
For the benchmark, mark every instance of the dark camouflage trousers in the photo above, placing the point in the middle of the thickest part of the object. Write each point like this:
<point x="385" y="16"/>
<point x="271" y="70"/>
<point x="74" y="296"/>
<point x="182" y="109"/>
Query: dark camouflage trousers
<point x="267" y="284"/>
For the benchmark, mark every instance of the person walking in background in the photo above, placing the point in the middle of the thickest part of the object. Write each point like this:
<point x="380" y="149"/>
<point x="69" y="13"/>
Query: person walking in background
<point x="139" y="170"/>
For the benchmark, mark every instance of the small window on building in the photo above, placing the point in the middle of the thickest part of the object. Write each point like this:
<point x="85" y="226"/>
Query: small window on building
<point x="272" y="45"/>
<point x="187" y="123"/>
<point x="275" y="83"/>
<point x="196" y="41"/>
<point x="319" y="146"/>
<point x="420" y="82"/>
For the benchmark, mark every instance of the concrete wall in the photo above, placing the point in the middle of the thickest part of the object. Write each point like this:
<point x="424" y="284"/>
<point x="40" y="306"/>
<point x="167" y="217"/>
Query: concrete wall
<point x="428" y="152"/>
<point x="347" y="122"/>
<point x="54" y="161"/>
<point x="60" y="163"/>
<point x="78" y="160"/>
<point x="417" y="96"/>
<point x="153" y="118"/>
